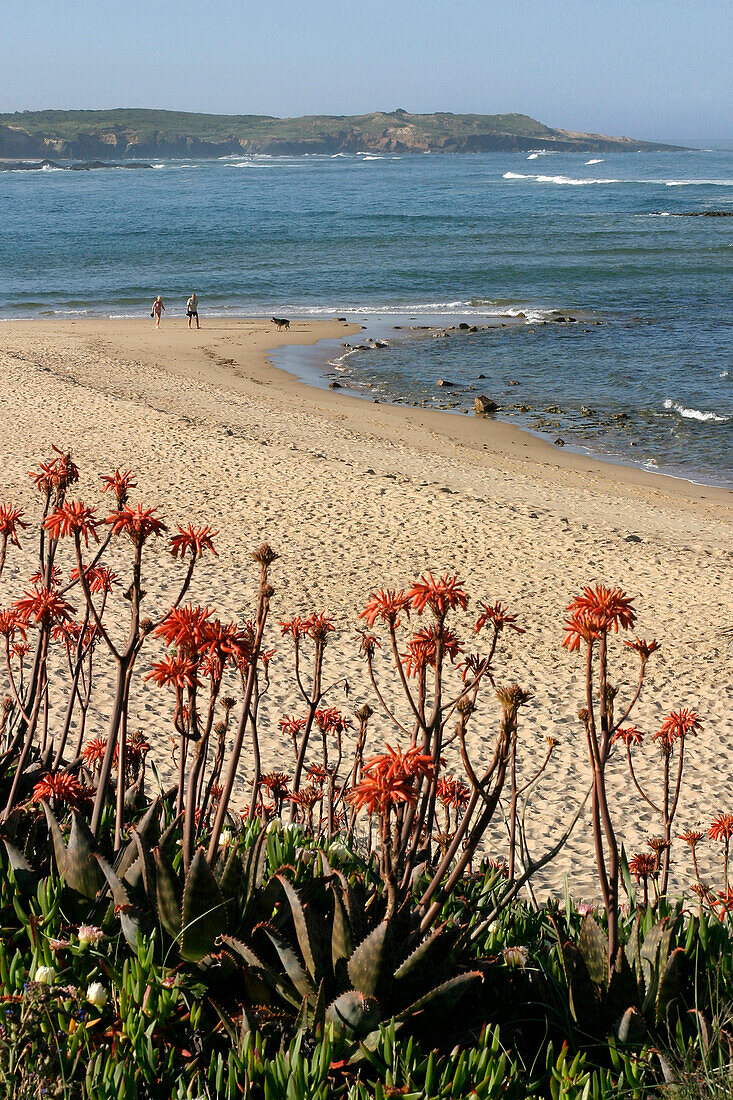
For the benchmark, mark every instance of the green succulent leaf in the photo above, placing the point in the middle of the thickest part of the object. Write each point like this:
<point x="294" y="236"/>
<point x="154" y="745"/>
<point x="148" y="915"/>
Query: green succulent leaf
<point x="291" y="963"/>
<point x="418" y="958"/>
<point x="57" y="839"/>
<point x="366" y="965"/>
<point x="342" y="939"/>
<point x="669" y="985"/>
<point x="167" y="895"/>
<point x="593" y="947"/>
<point x="445" y="996"/>
<point x="204" y="913"/>
<point x="354" y="1012"/>
<point x="82" y="870"/>
<point x="300" y="920"/>
<point x="23" y="873"/>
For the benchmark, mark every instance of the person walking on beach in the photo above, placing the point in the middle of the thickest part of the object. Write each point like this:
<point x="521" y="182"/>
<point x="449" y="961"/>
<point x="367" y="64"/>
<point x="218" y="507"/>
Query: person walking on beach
<point x="157" y="310"/>
<point x="192" y="309"/>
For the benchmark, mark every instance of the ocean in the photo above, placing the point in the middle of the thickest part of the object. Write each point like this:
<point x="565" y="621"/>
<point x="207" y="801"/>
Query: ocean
<point x="412" y="247"/>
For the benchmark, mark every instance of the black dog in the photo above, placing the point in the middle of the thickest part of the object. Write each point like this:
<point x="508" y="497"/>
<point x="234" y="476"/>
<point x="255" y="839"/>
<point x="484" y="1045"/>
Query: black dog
<point x="281" y="322"/>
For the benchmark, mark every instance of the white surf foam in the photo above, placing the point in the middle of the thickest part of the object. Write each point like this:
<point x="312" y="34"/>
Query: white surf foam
<point x="695" y="414"/>
<point x="596" y="160"/>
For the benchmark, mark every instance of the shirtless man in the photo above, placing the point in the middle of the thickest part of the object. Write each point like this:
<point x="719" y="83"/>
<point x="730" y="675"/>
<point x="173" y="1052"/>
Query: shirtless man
<point x="192" y="309"/>
<point x="157" y="310"/>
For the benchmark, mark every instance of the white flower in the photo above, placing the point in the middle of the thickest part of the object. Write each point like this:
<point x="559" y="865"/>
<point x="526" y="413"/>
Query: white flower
<point x="45" y="974"/>
<point x="97" y="995"/>
<point x="226" y="837"/>
<point x="493" y="926"/>
<point x="88" y="934"/>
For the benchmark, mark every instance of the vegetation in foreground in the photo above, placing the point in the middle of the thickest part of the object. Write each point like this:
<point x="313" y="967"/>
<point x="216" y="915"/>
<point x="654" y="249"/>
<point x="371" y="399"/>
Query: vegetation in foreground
<point x="343" y="936"/>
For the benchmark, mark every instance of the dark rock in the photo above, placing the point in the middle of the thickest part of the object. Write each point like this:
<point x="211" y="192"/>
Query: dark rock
<point x="444" y="382"/>
<point x="482" y="376"/>
<point x="484" y="405"/>
<point x="464" y="327"/>
<point x="553" y="409"/>
<point x="381" y="344"/>
<point x="335" y="386"/>
<point x="586" y="411"/>
<point x="559" y="442"/>
<point x="340" y="318"/>
<point x="632" y="538"/>
<point x="513" y="382"/>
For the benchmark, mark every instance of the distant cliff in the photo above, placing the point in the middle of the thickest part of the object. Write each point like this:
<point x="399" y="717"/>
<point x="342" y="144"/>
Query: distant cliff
<point x="112" y="135"/>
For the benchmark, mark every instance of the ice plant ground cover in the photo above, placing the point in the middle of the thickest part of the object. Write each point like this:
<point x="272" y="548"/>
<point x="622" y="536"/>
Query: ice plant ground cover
<point x="345" y="934"/>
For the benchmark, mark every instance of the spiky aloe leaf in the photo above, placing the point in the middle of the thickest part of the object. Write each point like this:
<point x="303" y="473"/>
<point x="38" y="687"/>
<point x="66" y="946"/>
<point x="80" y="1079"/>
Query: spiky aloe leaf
<point x="167" y="895"/>
<point x="627" y="879"/>
<point x="418" y="958"/>
<point x="669" y="985"/>
<point x="149" y="832"/>
<point x="631" y="1027"/>
<point x="342" y="939"/>
<point x="354" y="1012"/>
<point x="300" y="920"/>
<point x="291" y="963"/>
<point x="633" y="949"/>
<point x="243" y="951"/>
<point x="231" y="876"/>
<point x="593" y="947"/>
<point x="443" y="998"/>
<point x="168" y="834"/>
<point x="254" y="866"/>
<point x="204" y="912"/>
<point x="649" y="956"/>
<point x="23" y="873"/>
<point x="131" y="919"/>
<point x="57" y="839"/>
<point x="366" y="965"/>
<point x="82" y="870"/>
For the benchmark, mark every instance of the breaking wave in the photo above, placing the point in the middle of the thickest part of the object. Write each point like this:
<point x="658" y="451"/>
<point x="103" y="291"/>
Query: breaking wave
<point x="695" y="414"/>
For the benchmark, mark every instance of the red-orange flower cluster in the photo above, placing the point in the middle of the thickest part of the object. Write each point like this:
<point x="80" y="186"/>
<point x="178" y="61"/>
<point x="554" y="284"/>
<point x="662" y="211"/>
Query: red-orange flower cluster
<point x="676" y="726"/>
<point x="62" y="788"/>
<point x="57" y="474"/>
<point x="630" y="736"/>
<point x="441" y="595"/>
<point x="499" y="617"/>
<point x="73" y="519"/>
<point x="10" y="521"/>
<point x="422" y="648"/>
<point x="137" y="523"/>
<point x="386" y="604"/>
<point x="193" y="541"/>
<point x="595" y="612"/>
<point x="119" y="483"/>
<point x="43" y="605"/>
<point x="390" y="780"/>
<point x="721" y="828"/>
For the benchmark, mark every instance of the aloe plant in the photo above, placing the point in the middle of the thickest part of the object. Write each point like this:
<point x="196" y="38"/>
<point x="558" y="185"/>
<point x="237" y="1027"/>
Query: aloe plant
<point x="330" y="956"/>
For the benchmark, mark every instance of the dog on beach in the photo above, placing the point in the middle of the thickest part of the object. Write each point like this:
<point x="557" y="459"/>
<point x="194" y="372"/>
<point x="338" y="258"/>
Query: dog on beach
<point x="281" y="322"/>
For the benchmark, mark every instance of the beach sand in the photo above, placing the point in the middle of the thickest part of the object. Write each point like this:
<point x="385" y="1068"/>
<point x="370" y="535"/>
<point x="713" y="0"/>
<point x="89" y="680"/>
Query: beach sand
<point x="355" y="495"/>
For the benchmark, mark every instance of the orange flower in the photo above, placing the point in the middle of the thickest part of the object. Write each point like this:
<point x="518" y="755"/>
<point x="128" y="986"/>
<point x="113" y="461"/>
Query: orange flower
<point x="317" y="773"/>
<point x="368" y="644"/>
<point x="630" y="736"/>
<point x="319" y="626"/>
<point x="604" y="608"/>
<point x="499" y="617"/>
<point x="99" y="578"/>
<point x="296" y="626"/>
<point x="643" y="647"/>
<point x="10" y="521"/>
<point x="176" y="672"/>
<point x="441" y="595"/>
<point x="331" y="720"/>
<point x="390" y="780"/>
<point x="721" y="828"/>
<point x="119" y="483"/>
<point x="422" y="648"/>
<point x="642" y="865"/>
<point x="452" y="792"/>
<point x="692" y="837"/>
<point x="43" y="605"/>
<point x="72" y="518"/>
<point x="276" y="784"/>
<point x="62" y="788"/>
<point x="387" y="605"/>
<point x="58" y="474"/>
<point x="579" y="628"/>
<point x="137" y="523"/>
<point x="11" y="623"/>
<point x="94" y="751"/>
<point x="411" y="763"/>
<point x="676" y="726"/>
<point x="193" y="540"/>
<point x="184" y="627"/>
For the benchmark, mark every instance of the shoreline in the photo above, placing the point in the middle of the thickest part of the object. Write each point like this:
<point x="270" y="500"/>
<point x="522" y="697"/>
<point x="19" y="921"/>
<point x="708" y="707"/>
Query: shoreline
<point x="492" y="433"/>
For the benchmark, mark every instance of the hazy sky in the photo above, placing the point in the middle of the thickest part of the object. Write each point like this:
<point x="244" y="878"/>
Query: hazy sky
<point x="649" y="68"/>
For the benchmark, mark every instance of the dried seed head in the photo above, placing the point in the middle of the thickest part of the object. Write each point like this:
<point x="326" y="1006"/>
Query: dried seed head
<point x="220" y="729"/>
<point x="465" y="706"/>
<point x="265" y="555"/>
<point x="364" y="713"/>
<point x="8" y="704"/>
<point x="228" y="703"/>
<point x="583" y="715"/>
<point x="512" y="697"/>
<point x="146" y="625"/>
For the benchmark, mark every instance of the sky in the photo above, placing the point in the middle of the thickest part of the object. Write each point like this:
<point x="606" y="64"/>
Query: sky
<point x="655" y="69"/>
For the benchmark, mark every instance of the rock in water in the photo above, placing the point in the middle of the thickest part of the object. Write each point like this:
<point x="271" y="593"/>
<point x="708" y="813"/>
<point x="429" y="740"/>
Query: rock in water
<point x="484" y="405"/>
<point x="443" y="382"/>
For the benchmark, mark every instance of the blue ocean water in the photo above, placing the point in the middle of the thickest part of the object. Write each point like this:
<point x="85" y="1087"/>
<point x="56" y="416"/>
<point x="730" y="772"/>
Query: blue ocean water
<point x="430" y="240"/>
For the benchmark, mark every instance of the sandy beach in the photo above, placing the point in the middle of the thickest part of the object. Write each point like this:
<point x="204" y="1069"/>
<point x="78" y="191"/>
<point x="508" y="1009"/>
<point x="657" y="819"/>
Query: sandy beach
<point x="355" y="495"/>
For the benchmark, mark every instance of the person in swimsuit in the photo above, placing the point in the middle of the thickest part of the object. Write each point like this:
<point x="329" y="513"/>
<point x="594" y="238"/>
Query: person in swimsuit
<point x="192" y="309"/>
<point x="157" y="310"/>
